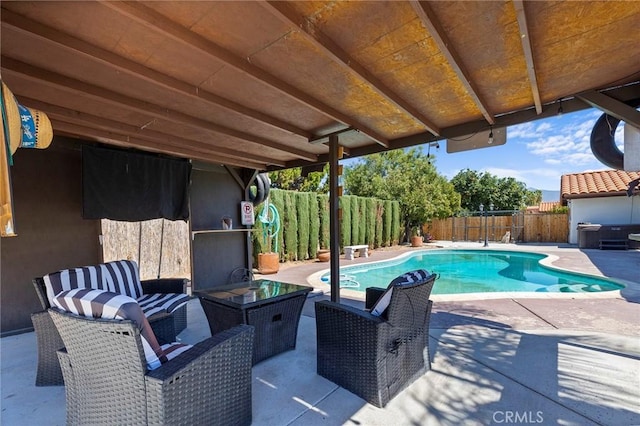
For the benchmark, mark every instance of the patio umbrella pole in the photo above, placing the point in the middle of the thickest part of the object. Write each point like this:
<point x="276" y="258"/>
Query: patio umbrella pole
<point x="334" y="219"/>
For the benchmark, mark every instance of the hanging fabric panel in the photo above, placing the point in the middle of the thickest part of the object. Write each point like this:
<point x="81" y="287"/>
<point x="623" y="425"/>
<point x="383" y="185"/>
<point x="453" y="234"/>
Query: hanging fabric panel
<point x="133" y="186"/>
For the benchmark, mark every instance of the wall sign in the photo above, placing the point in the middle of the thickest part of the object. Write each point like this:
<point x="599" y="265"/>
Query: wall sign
<point x="246" y="213"/>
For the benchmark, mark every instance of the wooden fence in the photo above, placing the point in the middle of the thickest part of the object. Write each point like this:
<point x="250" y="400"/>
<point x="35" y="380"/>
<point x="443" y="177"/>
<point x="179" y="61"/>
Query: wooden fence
<point x="527" y="228"/>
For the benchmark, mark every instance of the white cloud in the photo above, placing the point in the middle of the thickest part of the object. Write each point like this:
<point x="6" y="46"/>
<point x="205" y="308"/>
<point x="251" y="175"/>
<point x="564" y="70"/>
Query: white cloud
<point x="546" y="126"/>
<point x="567" y="143"/>
<point x="525" y="130"/>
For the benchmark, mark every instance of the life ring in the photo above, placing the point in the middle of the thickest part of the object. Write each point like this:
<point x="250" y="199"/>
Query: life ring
<point x="267" y="184"/>
<point x="603" y="144"/>
<point x="262" y="183"/>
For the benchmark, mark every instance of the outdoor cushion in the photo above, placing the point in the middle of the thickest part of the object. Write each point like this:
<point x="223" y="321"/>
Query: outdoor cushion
<point x="408" y="278"/>
<point x="119" y="276"/>
<point x="161" y="302"/>
<point x="109" y="305"/>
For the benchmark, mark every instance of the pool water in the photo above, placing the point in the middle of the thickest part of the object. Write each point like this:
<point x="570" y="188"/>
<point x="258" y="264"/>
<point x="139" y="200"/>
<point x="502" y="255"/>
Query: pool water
<point x="475" y="271"/>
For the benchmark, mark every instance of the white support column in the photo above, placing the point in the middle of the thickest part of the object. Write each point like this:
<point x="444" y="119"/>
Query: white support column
<point x="631" y="148"/>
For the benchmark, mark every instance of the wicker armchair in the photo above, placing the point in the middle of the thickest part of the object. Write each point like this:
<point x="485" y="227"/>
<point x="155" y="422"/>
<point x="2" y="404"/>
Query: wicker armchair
<point x="377" y="356"/>
<point x="107" y="381"/>
<point x="165" y="326"/>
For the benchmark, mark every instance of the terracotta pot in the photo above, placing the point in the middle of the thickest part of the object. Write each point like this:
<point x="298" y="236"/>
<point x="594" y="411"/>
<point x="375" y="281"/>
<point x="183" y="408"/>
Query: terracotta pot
<point x="416" y="241"/>
<point x="324" y="255"/>
<point x="268" y="263"/>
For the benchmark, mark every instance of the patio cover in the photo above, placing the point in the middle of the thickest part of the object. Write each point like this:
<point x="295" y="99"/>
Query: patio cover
<point x="261" y="84"/>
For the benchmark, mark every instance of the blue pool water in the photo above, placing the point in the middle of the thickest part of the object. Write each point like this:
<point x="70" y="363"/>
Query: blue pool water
<point x="475" y="271"/>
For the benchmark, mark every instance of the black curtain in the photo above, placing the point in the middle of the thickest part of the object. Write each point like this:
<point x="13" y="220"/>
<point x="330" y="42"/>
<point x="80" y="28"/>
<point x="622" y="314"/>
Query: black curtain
<point x="133" y="186"/>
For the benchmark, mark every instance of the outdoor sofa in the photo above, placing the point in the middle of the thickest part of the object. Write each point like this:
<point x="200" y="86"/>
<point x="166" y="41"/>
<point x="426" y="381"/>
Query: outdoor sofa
<point x="162" y="300"/>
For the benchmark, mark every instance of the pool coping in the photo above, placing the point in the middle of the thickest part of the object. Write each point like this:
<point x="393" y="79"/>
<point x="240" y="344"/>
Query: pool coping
<point x="630" y="286"/>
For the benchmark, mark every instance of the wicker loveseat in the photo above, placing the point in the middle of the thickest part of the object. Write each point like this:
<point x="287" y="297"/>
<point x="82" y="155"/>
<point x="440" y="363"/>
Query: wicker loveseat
<point x="163" y="301"/>
<point x="116" y="372"/>
<point x="378" y="352"/>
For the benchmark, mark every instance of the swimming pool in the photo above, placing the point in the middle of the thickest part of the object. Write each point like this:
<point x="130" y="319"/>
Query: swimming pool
<point x="475" y="271"/>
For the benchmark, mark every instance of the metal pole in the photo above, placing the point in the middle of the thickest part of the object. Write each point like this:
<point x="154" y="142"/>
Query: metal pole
<point x="486" y="228"/>
<point x="334" y="220"/>
<point x="161" y="241"/>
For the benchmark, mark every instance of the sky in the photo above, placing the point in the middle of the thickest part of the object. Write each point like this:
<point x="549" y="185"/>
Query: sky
<point x="537" y="153"/>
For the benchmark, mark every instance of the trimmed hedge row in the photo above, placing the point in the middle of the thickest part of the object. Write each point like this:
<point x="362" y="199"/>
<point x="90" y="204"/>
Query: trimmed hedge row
<point x="304" y="218"/>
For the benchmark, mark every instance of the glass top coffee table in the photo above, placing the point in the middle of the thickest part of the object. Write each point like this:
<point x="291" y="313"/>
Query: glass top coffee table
<point x="272" y="307"/>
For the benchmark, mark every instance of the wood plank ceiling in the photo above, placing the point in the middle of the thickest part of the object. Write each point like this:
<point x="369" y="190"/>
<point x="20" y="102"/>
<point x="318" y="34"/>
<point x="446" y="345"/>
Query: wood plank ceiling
<point x="258" y="84"/>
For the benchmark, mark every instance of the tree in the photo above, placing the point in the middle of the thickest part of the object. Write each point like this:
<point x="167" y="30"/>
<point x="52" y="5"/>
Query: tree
<point x="409" y="177"/>
<point x="477" y="188"/>
<point x="294" y="180"/>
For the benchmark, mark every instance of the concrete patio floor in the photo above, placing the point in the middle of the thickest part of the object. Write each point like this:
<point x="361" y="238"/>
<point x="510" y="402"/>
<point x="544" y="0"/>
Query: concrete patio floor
<point x="571" y="360"/>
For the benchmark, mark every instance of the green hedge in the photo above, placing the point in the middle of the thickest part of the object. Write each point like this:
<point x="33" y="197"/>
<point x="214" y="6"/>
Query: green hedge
<point x="302" y="207"/>
<point x="386" y="220"/>
<point x="289" y="219"/>
<point x="345" y="224"/>
<point x="356" y="222"/>
<point x="304" y="219"/>
<point x="395" y="223"/>
<point x="314" y="224"/>
<point x="323" y="205"/>
<point x="379" y="207"/>
<point x="371" y="221"/>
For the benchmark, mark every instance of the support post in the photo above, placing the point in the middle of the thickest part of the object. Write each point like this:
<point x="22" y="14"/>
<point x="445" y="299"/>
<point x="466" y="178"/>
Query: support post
<point x="334" y="220"/>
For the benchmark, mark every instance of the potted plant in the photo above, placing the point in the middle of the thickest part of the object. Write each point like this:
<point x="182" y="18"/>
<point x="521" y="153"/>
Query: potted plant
<point x="269" y="259"/>
<point x="416" y="238"/>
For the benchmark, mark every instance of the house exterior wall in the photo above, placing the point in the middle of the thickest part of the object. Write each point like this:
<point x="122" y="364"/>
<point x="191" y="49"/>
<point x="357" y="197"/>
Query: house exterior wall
<point x="214" y="255"/>
<point x="52" y="235"/>
<point x="620" y="210"/>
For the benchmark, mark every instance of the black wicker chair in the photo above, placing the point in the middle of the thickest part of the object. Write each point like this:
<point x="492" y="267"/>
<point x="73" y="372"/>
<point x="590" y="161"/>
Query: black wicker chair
<point x="107" y="381"/>
<point x="165" y="326"/>
<point x="373" y="356"/>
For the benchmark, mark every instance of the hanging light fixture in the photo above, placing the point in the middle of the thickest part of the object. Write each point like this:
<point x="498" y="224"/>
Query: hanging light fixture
<point x="560" y="110"/>
<point x="490" y="140"/>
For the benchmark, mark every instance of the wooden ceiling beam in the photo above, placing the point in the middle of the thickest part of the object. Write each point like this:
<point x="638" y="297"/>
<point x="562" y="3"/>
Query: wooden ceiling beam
<point x="79" y="88"/>
<point x="432" y="24"/>
<point x="157" y="22"/>
<point x="528" y="53"/>
<point x="114" y="138"/>
<point x="93" y="121"/>
<point x="315" y="36"/>
<point x="612" y="107"/>
<point x="112" y="60"/>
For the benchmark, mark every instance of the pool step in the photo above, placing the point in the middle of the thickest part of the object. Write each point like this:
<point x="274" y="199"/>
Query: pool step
<point x="614" y="245"/>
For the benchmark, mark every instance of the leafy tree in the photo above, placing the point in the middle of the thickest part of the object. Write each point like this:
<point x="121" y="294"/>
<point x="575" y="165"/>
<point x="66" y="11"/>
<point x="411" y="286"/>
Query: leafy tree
<point x="409" y="177"/>
<point x="560" y="210"/>
<point x="292" y="179"/>
<point x="477" y="188"/>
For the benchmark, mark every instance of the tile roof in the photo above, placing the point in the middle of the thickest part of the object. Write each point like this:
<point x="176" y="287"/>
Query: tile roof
<point x="548" y="206"/>
<point x="596" y="184"/>
<point x="544" y="207"/>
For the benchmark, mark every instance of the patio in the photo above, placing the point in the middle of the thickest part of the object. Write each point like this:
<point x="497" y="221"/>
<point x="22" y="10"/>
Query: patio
<point x="552" y="360"/>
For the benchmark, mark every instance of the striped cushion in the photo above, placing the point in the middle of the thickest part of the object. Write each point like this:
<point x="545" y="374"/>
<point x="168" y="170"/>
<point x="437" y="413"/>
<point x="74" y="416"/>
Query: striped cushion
<point x="105" y="304"/>
<point x="408" y="278"/>
<point x="161" y="302"/>
<point x="123" y="278"/>
<point x="120" y="277"/>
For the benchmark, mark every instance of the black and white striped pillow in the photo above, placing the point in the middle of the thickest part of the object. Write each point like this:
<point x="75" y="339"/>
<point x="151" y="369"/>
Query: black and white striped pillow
<point x="109" y="305"/>
<point x="161" y="302"/>
<point x="120" y="276"/>
<point x="408" y="278"/>
<point x="123" y="277"/>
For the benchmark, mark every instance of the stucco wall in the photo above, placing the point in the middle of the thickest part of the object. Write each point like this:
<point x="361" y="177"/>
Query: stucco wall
<point x="51" y="232"/>
<point x="621" y="210"/>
